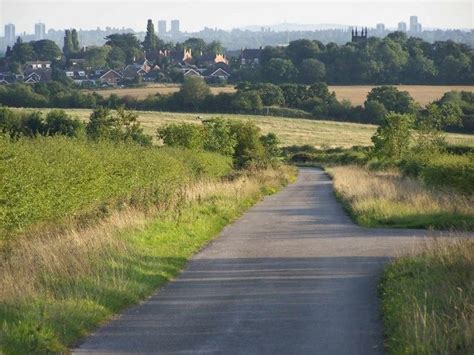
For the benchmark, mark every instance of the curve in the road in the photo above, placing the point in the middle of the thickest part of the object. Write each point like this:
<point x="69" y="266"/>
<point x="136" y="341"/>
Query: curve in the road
<point x="294" y="275"/>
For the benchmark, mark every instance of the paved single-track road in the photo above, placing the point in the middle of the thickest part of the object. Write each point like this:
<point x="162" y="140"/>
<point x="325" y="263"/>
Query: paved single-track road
<point x="294" y="275"/>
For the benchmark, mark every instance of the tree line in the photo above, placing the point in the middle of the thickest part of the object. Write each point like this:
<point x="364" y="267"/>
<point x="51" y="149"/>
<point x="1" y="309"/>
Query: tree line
<point x="289" y="100"/>
<point x="395" y="59"/>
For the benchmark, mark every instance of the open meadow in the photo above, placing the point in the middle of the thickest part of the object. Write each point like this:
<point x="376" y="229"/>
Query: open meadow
<point x="291" y="131"/>
<point x="356" y="94"/>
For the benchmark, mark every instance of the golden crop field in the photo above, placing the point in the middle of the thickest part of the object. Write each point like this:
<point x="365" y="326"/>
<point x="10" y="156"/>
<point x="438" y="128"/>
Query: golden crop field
<point x="291" y="131"/>
<point x="423" y="94"/>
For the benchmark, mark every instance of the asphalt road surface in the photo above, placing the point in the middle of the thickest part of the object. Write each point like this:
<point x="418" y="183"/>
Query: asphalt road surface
<point x="294" y="275"/>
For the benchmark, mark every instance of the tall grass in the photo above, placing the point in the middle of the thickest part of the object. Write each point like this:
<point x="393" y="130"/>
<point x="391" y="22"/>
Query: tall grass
<point x="376" y="198"/>
<point x="55" y="288"/>
<point x="54" y="180"/>
<point x="428" y="301"/>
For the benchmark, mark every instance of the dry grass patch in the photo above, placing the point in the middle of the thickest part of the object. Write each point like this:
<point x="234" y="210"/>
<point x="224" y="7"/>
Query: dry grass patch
<point x="376" y="198"/>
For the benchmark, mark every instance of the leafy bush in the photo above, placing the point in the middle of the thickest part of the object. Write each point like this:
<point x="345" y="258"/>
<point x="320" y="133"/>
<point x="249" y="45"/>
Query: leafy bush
<point x="185" y="135"/>
<point x="219" y="137"/>
<point x="119" y="126"/>
<point x="392" y="139"/>
<point x="31" y="124"/>
<point x="453" y="171"/>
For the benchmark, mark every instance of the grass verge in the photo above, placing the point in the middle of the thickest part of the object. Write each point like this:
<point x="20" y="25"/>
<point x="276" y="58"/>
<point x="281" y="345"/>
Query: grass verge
<point x="387" y="199"/>
<point x="427" y="301"/>
<point x="56" y="289"/>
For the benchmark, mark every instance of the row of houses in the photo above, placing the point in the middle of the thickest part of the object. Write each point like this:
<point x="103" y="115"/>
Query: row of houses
<point x="213" y="67"/>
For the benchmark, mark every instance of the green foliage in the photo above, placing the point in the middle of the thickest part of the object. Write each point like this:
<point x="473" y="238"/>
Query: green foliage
<point x="392" y="99"/>
<point x="219" y="137"/>
<point x="279" y="70"/>
<point x="271" y="95"/>
<point x="51" y="179"/>
<point x="392" y="139"/>
<point x="453" y="171"/>
<point x="59" y="123"/>
<point x="96" y="57"/>
<point x="340" y="156"/>
<point x="118" y="126"/>
<point x="31" y="124"/>
<point x="271" y="143"/>
<point x="125" y="46"/>
<point x="184" y="135"/>
<point x="430" y="139"/>
<point x="311" y="71"/>
<point x="194" y="91"/>
<point x="241" y="140"/>
<point x="375" y="111"/>
<point x="22" y="52"/>
<point x="150" y="44"/>
<point x="247" y="101"/>
<point x="46" y="49"/>
<point x="68" y="47"/>
<point x="249" y="151"/>
<point x="427" y="301"/>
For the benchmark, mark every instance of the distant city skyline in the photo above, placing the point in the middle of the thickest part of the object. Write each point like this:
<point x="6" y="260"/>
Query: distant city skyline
<point x="24" y="14"/>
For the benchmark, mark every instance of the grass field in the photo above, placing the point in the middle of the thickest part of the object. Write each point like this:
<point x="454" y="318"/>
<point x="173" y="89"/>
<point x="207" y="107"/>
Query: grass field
<point x="423" y="94"/>
<point x="427" y="301"/>
<point x="291" y="131"/>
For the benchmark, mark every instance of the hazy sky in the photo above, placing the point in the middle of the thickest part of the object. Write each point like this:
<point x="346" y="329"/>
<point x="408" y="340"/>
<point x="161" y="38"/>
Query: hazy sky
<point x="227" y="14"/>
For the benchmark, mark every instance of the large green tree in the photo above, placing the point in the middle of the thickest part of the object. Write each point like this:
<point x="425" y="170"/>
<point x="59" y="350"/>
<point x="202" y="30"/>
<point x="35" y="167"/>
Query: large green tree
<point x="46" y="49"/>
<point x="311" y="71"/>
<point x="128" y="44"/>
<point x="68" y="47"/>
<point x="150" y="44"/>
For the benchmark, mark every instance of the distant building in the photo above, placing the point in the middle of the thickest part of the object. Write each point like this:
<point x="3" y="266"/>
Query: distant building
<point x="162" y="26"/>
<point x="45" y="64"/>
<point x="174" y="26"/>
<point x="418" y="28"/>
<point x="9" y="33"/>
<point x="40" y="31"/>
<point x="402" y="26"/>
<point x="413" y="23"/>
<point x="250" y="56"/>
<point x="212" y="59"/>
<point x="359" y="38"/>
<point x="380" y="27"/>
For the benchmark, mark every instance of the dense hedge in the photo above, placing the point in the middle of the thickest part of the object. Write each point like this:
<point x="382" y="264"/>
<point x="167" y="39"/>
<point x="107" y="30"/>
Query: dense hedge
<point x="454" y="171"/>
<point x="49" y="179"/>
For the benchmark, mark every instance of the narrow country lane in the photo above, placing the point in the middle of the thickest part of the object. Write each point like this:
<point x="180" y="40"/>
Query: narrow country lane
<point x="294" y="275"/>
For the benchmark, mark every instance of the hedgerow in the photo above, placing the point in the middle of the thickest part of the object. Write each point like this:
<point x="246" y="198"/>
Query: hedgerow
<point x="51" y="179"/>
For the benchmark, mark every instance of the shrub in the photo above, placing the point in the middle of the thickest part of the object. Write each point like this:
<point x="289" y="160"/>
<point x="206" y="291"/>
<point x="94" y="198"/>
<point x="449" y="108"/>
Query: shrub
<point x="392" y="99"/>
<point x="392" y="139"/>
<point x="219" y="137"/>
<point x="249" y="151"/>
<point x="185" y="135"/>
<point x="59" y="123"/>
<point x="119" y="126"/>
<point x="453" y="171"/>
